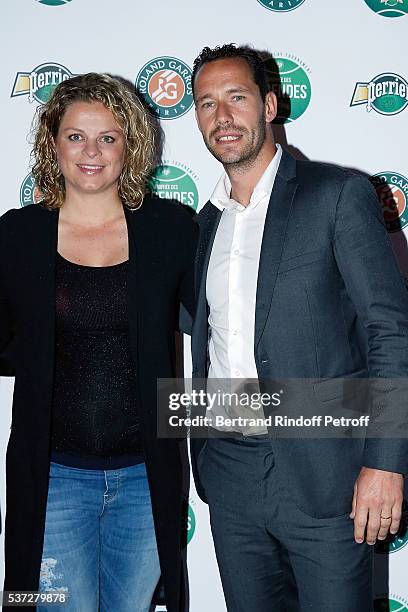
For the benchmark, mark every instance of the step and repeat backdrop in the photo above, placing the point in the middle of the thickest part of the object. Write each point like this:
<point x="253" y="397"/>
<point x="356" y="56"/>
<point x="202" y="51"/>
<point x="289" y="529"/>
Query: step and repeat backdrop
<point x="341" y="68"/>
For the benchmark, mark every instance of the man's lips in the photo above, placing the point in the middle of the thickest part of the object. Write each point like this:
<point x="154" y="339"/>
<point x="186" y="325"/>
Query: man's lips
<point x="90" y="169"/>
<point x="228" y="137"/>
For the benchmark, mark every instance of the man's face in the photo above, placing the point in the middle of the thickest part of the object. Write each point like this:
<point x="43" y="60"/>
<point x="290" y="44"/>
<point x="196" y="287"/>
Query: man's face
<point x="230" y="112"/>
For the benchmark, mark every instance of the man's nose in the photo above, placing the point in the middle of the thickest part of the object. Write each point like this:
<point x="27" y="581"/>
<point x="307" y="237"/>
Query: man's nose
<point x="223" y="114"/>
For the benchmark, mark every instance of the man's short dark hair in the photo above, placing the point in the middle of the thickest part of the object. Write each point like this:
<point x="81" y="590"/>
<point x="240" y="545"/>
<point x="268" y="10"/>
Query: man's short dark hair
<point x="252" y="58"/>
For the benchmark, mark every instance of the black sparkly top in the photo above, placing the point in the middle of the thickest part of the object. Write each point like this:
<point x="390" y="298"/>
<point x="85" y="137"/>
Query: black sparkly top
<point x="95" y="422"/>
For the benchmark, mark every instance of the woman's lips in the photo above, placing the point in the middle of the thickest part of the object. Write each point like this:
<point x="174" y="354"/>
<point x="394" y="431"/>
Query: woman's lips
<point x="90" y="169"/>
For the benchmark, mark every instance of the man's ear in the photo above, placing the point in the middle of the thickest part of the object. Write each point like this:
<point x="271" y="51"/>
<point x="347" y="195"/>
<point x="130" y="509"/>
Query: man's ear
<point x="271" y="107"/>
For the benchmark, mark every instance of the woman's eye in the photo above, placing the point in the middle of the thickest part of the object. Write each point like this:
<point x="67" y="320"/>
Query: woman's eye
<point x="75" y="137"/>
<point x="107" y="139"/>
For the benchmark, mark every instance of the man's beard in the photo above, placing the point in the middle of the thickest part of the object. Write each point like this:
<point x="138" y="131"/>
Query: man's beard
<point x="247" y="156"/>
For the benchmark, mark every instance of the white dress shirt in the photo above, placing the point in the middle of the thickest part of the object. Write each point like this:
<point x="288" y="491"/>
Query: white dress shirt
<point x="233" y="274"/>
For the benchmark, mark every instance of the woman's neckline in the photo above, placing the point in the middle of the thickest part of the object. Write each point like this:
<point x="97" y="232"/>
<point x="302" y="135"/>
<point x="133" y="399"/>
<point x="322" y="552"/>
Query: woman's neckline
<point x="73" y="263"/>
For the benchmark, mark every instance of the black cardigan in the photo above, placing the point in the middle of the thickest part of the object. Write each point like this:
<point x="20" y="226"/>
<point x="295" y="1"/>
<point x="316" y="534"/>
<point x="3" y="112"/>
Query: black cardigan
<point x="162" y="240"/>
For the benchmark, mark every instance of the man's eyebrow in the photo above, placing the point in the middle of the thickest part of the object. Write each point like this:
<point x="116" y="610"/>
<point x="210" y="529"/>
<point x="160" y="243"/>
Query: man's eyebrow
<point x="203" y="97"/>
<point x="236" y="89"/>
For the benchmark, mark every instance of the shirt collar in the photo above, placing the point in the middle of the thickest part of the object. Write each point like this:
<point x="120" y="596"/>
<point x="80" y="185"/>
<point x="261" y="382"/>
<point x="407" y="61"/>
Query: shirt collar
<point x="221" y="194"/>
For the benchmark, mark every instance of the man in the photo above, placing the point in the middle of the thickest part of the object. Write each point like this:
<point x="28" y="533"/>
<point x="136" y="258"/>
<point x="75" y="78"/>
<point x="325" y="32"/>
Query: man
<point x="295" y="279"/>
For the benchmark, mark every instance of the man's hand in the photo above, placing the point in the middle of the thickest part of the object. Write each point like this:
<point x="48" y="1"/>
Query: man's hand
<point x="377" y="504"/>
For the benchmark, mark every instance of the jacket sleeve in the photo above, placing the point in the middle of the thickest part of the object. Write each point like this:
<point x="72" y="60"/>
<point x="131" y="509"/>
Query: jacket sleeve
<point x="8" y="359"/>
<point x="375" y="285"/>
<point x="7" y="339"/>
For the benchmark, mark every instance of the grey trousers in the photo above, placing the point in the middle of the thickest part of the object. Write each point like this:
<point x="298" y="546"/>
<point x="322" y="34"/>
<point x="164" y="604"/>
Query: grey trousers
<point x="272" y="556"/>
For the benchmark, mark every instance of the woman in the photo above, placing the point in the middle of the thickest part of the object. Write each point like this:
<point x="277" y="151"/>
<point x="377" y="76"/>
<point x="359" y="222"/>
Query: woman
<point x="90" y="284"/>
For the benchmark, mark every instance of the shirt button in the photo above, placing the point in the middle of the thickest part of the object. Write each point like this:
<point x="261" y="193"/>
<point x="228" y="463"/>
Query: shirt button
<point x="237" y="373"/>
<point x="236" y="332"/>
<point x="236" y="252"/>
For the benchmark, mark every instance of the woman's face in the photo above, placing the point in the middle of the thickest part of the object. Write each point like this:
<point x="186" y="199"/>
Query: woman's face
<point x="90" y="147"/>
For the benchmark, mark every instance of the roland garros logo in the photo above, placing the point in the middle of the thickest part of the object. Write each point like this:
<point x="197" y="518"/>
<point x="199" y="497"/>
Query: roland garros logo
<point x="281" y="6"/>
<point x="29" y="192"/>
<point x="387" y="94"/>
<point x="395" y="603"/>
<point x="40" y="82"/>
<point x="392" y="191"/>
<point x="393" y="544"/>
<point x="175" y="181"/>
<point x="388" y="8"/>
<point x="165" y="83"/>
<point x="54" y="2"/>
<point x="288" y="78"/>
<point x="189" y="521"/>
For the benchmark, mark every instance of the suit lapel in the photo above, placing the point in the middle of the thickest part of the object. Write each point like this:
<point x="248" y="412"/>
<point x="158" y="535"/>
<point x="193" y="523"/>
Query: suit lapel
<point x="273" y="240"/>
<point x="208" y="220"/>
<point x="209" y="226"/>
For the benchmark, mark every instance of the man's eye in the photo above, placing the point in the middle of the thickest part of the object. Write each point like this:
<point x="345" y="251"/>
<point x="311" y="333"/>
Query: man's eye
<point x="107" y="139"/>
<point x="207" y="105"/>
<point x="238" y="98"/>
<point x="75" y="137"/>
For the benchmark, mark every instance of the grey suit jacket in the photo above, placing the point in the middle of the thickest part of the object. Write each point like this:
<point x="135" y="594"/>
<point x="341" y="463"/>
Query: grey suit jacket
<point x="330" y="303"/>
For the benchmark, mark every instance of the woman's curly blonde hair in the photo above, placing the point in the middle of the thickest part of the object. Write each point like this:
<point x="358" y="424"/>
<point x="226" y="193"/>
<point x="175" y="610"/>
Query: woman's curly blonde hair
<point x="129" y="112"/>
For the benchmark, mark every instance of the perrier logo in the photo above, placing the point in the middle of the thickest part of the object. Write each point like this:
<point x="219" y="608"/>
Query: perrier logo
<point x="165" y="83"/>
<point x="175" y="181"/>
<point x="392" y="191"/>
<point x="40" y="82"/>
<point x="388" y="8"/>
<point x="281" y="6"/>
<point x="386" y="94"/>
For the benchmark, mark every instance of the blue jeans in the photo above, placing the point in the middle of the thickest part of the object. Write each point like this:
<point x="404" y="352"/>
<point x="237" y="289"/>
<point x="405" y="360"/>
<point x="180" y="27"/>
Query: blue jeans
<point x="99" y="543"/>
